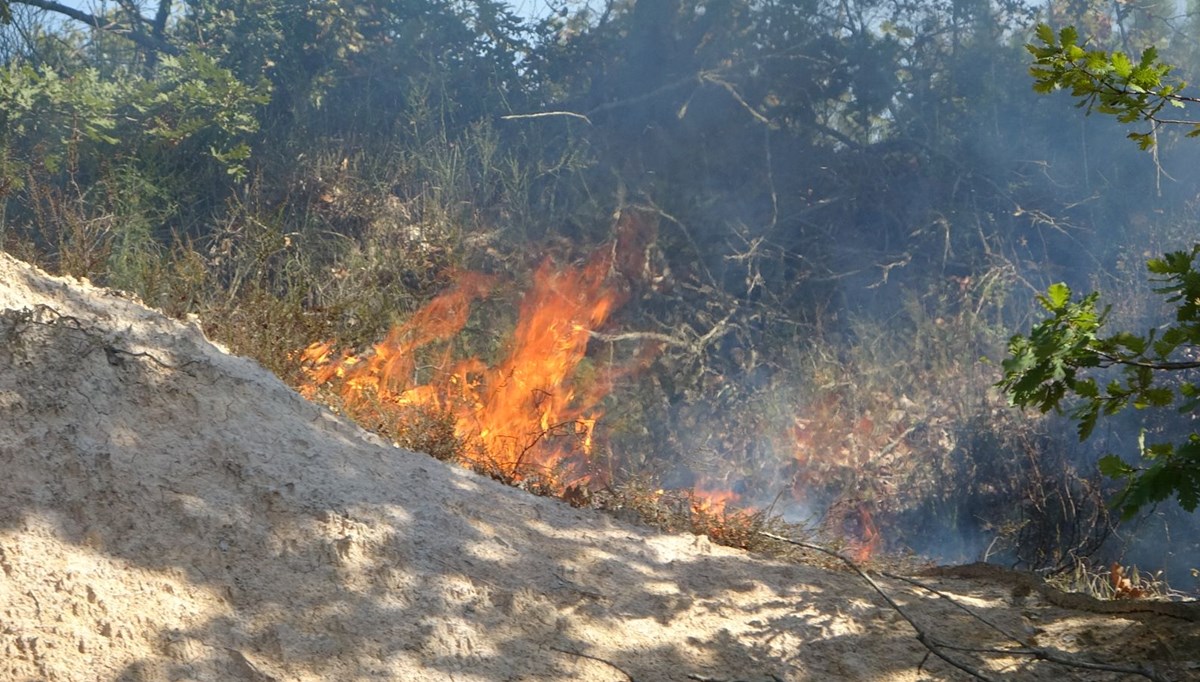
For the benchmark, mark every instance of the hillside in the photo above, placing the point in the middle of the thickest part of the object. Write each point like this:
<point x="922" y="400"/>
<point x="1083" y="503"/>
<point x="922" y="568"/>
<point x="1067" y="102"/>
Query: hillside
<point x="170" y="511"/>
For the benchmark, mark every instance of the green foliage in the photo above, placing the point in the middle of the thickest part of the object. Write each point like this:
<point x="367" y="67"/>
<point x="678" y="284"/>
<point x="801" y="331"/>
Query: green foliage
<point x="1058" y="359"/>
<point x="1064" y="356"/>
<point x="195" y="99"/>
<point x="1043" y="367"/>
<point x="52" y="113"/>
<point x="1108" y="82"/>
<point x="190" y="99"/>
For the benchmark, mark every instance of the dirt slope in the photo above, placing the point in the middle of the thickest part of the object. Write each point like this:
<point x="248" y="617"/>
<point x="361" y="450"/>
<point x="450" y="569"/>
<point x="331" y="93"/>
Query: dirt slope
<point x="171" y="512"/>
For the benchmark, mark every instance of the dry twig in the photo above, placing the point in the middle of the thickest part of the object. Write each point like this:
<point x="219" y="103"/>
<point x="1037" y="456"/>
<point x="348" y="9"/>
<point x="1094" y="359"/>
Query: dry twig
<point x="1028" y="649"/>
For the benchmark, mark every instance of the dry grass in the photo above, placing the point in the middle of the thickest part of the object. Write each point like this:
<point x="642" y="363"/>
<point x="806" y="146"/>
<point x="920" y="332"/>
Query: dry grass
<point x="1114" y="582"/>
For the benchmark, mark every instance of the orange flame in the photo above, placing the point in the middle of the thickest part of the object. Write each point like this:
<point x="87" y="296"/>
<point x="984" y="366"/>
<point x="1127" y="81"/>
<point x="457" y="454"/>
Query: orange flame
<point x="509" y="415"/>
<point x="711" y="500"/>
<point x="534" y="390"/>
<point x="830" y="445"/>
<point x="869" y="542"/>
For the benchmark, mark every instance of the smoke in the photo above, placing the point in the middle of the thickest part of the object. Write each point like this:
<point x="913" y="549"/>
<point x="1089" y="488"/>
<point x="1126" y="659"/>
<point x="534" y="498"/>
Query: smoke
<point x="859" y="250"/>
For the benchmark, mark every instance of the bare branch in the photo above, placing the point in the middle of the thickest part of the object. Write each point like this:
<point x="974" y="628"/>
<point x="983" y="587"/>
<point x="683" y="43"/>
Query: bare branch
<point x="647" y="95"/>
<point x="130" y="32"/>
<point x="709" y="78"/>
<point x="160" y="18"/>
<point x="642" y="336"/>
<point x="1029" y="650"/>
<point x="590" y="657"/>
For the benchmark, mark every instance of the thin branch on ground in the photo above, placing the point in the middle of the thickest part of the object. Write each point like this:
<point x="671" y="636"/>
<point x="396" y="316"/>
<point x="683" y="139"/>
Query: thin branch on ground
<point x="642" y="336"/>
<point x="696" y="346"/>
<point x="706" y="678"/>
<point x="590" y="657"/>
<point x="935" y="647"/>
<point x="1028" y="649"/>
<point x="47" y="316"/>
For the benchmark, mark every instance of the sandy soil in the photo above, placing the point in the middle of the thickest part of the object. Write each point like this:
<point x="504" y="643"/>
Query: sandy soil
<point x="171" y="512"/>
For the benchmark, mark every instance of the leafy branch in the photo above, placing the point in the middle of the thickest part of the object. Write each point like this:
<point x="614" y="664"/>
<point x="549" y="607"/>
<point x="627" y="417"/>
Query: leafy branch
<point x="1061" y="356"/>
<point x="1110" y="82"/>
<point x="1052" y="364"/>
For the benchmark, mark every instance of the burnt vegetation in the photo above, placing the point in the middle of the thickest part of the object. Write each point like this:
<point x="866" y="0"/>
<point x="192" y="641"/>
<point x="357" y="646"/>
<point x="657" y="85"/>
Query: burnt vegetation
<point x="798" y="231"/>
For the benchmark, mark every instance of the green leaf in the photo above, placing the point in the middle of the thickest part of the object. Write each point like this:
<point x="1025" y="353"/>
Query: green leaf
<point x="1132" y="342"/>
<point x="1055" y="358"/>
<point x="1068" y="36"/>
<point x="1057" y="296"/>
<point x="1121" y="64"/>
<point x="1115" y="467"/>
<point x="1087" y="388"/>
<point x="1045" y="34"/>
<point x="1087" y="422"/>
<point x="1155" y="397"/>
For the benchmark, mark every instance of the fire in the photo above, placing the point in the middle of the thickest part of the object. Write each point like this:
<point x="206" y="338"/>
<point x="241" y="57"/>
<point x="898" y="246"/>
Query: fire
<point x="534" y="412"/>
<point x="534" y="392"/>
<point x="710" y="500"/>
<point x="831" y="450"/>
<point x="866" y="547"/>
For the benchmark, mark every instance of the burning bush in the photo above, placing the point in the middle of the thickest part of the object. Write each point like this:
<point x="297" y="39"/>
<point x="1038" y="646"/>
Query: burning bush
<point x="532" y="413"/>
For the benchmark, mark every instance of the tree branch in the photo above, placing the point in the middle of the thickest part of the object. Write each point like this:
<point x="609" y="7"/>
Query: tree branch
<point x="160" y="19"/>
<point x="154" y="44"/>
<point x="1050" y="655"/>
<point x="1165" y="366"/>
<point x="939" y="648"/>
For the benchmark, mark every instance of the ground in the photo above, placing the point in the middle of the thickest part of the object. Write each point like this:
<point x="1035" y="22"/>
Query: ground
<point x="170" y="511"/>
